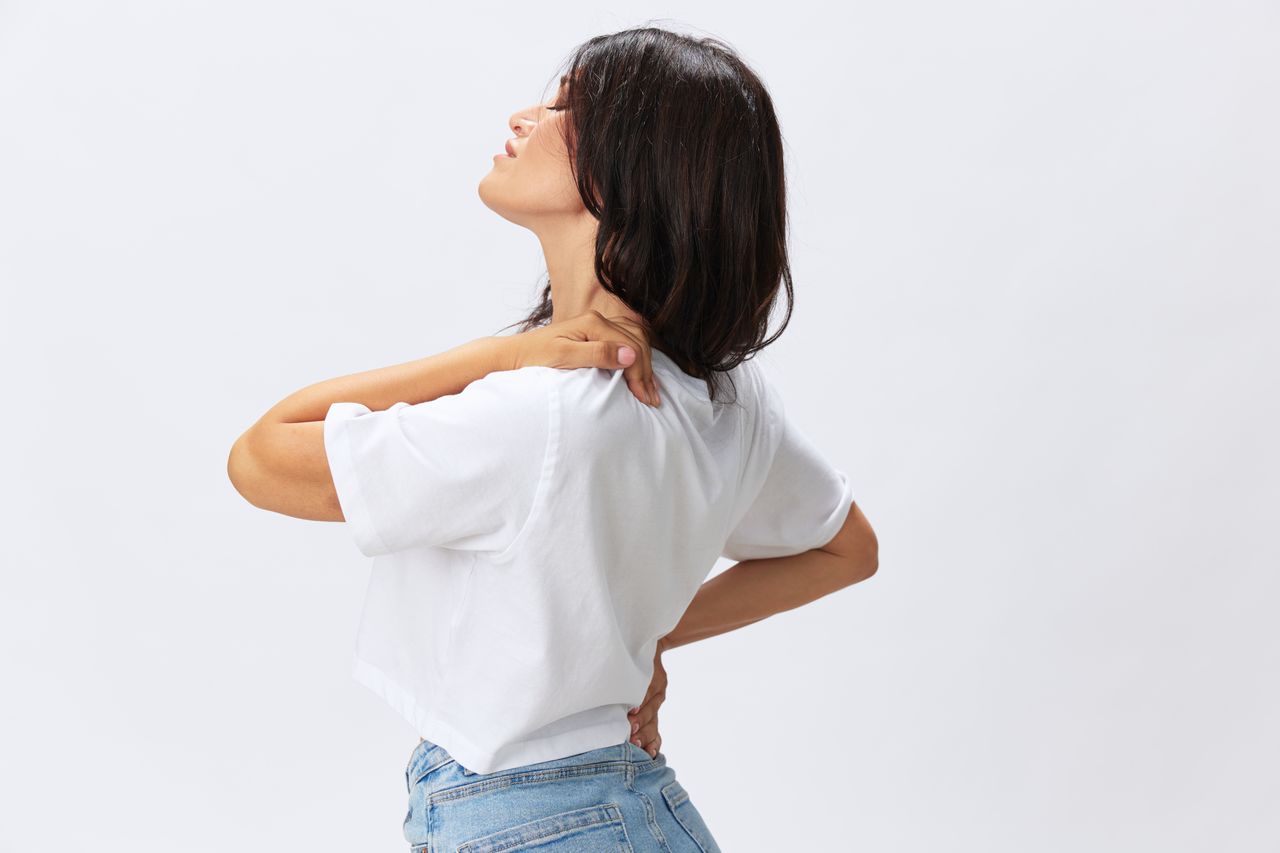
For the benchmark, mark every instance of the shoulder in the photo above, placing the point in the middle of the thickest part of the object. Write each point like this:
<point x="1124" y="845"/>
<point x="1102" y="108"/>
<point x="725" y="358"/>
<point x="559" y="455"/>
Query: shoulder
<point x="518" y="395"/>
<point x="508" y="390"/>
<point x="762" y="405"/>
<point x="505" y="407"/>
<point x="755" y="390"/>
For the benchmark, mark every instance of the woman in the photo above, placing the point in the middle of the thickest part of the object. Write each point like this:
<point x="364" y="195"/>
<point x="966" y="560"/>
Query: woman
<point x="540" y="535"/>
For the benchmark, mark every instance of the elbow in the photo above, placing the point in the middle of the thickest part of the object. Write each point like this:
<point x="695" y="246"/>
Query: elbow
<point x="865" y="566"/>
<point x="867" y="549"/>
<point x="865" y="559"/>
<point x="857" y="546"/>
<point x="872" y="564"/>
<point x="240" y="467"/>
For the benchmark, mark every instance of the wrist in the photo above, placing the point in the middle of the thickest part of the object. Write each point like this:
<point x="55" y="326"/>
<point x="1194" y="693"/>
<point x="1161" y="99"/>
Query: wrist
<point x="497" y="352"/>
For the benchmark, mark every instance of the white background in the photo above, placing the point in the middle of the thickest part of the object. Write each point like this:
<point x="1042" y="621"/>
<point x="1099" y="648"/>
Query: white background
<point x="1035" y="255"/>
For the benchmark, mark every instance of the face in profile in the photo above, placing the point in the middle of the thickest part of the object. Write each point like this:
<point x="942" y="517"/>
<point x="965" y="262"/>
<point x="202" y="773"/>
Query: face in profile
<point x="535" y="184"/>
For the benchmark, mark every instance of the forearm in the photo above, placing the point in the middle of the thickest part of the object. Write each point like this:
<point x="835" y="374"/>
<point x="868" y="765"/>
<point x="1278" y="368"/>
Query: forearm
<point x="414" y="381"/>
<point x="755" y="589"/>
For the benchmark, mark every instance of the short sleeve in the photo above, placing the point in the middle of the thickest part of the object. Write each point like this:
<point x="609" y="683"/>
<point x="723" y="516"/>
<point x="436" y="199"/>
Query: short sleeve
<point x="802" y="503"/>
<point x="461" y="471"/>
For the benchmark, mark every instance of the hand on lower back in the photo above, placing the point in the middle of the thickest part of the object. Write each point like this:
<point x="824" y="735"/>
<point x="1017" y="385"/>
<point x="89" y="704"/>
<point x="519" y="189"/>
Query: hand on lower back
<point x="644" y="718"/>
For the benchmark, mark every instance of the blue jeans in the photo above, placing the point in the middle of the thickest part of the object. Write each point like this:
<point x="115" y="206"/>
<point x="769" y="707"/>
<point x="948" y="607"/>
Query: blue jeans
<point x="616" y="799"/>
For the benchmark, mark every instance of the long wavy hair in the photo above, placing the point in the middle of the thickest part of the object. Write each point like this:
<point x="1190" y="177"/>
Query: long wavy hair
<point x="676" y="150"/>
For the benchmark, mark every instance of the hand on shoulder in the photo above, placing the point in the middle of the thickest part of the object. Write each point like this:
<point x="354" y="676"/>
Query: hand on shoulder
<point x="591" y="340"/>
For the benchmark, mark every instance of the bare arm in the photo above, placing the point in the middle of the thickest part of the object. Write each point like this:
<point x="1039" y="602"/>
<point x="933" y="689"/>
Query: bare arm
<point x="755" y="589"/>
<point x="752" y="590"/>
<point x="279" y="463"/>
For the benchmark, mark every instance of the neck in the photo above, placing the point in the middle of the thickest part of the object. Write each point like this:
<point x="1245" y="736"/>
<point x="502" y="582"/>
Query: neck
<point x="569" y="249"/>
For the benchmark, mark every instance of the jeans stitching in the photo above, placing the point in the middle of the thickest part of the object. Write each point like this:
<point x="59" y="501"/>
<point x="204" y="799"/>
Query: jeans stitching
<point x="470" y="789"/>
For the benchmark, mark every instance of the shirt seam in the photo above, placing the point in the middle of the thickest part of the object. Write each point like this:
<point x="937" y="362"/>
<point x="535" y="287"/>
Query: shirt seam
<point x="773" y="415"/>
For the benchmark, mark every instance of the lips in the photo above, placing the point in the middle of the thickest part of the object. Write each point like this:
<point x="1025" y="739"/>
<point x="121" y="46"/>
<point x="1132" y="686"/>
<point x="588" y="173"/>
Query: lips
<point x="511" y="149"/>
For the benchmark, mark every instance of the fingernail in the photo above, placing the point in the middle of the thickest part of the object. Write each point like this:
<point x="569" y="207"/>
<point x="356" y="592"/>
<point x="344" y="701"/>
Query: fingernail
<point x="635" y="727"/>
<point x="636" y="741"/>
<point x="626" y="355"/>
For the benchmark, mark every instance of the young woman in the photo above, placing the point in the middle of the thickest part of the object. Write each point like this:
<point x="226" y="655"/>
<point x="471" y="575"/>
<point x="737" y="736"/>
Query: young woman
<point x="541" y="527"/>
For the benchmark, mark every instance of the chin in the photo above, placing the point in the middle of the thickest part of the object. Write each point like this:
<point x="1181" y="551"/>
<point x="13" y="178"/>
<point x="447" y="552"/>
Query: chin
<point x="501" y="209"/>
<point x="486" y="194"/>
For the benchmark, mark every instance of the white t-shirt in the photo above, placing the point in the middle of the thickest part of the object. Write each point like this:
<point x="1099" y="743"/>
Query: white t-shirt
<point x="535" y="534"/>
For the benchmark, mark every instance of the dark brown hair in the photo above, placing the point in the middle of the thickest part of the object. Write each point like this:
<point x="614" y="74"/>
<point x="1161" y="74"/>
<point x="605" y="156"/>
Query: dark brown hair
<point x="676" y="150"/>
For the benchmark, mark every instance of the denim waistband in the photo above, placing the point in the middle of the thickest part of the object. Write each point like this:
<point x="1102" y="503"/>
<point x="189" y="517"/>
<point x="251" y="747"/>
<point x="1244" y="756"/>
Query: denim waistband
<point x="426" y="757"/>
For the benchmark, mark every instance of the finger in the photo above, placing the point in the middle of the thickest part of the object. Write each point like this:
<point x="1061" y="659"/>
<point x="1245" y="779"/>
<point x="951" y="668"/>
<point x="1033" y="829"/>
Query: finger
<point x="648" y="738"/>
<point x="643" y="716"/>
<point x="637" y="379"/>
<point x="640" y="389"/>
<point x="612" y="355"/>
<point x="640" y="380"/>
<point x="639" y="371"/>
<point x="647" y="388"/>
<point x="641" y="374"/>
<point x="600" y="328"/>
<point x="647" y="716"/>
<point x="647" y="731"/>
<point x="596" y="352"/>
<point x="643" y="729"/>
<point x="643" y="736"/>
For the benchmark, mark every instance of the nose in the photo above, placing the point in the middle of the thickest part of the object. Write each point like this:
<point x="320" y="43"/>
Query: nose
<point x="523" y="122"/>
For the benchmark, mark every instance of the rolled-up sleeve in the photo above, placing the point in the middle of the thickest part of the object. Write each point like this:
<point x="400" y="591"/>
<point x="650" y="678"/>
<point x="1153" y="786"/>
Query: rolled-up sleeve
<point x="461" y="471"/>
<point x="803" y="502"/>
<point x="346" y="482"/>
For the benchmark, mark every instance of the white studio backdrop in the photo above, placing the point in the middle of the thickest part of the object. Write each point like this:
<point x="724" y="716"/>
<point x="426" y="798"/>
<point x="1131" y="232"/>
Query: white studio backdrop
<point x="1035" y="256"/>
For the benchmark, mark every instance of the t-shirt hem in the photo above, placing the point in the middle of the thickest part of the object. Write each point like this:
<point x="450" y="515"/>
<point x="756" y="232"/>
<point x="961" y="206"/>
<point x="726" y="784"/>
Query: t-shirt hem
<point x="473" y="756"/>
